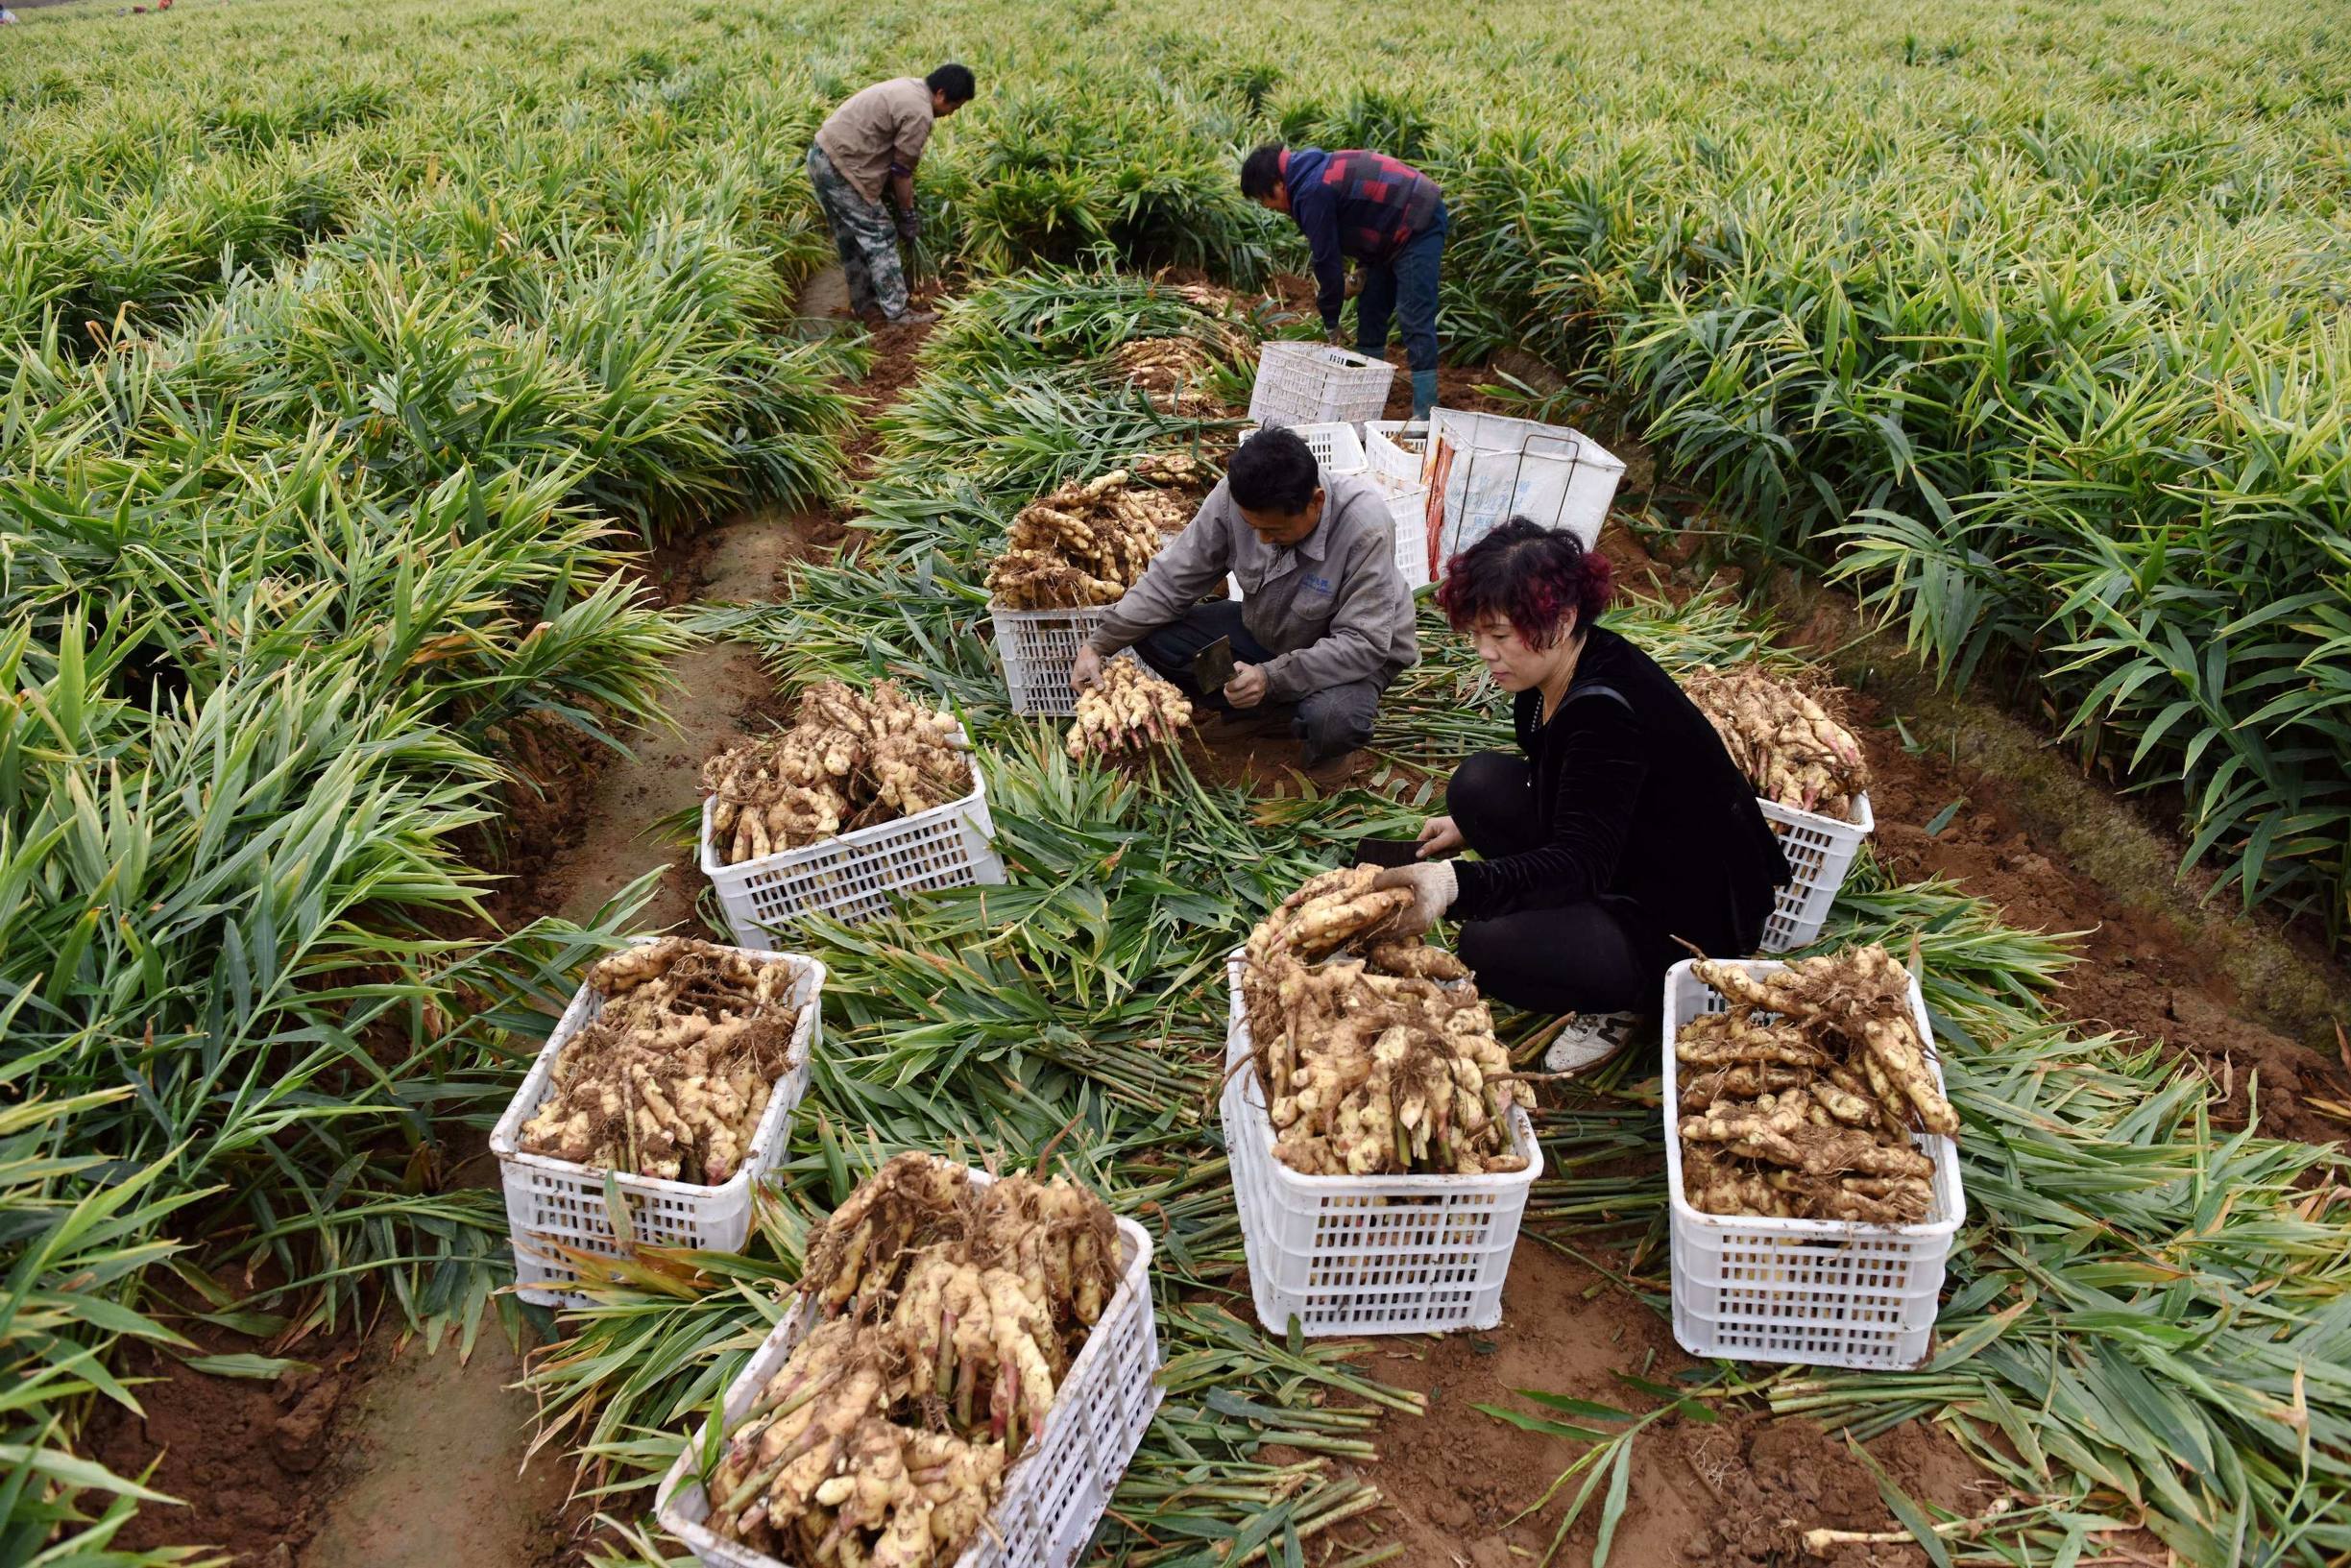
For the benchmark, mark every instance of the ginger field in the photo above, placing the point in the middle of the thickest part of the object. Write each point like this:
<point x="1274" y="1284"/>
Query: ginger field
<point x="364" y="365"/>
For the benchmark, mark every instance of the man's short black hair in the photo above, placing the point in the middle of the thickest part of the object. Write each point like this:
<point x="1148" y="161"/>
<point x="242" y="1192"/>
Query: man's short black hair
<point x="1273" y="471"/>
<point x="1261" y="171"/>
<point x="955" y="81"/>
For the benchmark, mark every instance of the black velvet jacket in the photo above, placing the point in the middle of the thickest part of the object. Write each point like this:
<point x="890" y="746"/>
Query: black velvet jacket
<point x="1638" y="800"/>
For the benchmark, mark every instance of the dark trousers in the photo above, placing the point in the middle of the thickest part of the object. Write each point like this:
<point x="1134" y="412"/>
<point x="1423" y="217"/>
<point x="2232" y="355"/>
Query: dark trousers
<point x="1330" y="723"/>
<point x="1591" y="957"/>
<point x="1405" y="287"/>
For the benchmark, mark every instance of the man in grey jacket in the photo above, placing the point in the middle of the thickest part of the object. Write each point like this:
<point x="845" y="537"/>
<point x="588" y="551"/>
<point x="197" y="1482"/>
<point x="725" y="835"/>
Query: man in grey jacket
<point x="1324" y="622"/>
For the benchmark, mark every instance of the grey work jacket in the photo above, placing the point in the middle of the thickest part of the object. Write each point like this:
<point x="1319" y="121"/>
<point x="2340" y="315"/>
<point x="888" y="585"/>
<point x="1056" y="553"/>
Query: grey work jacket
<point x="1333" y="608"/>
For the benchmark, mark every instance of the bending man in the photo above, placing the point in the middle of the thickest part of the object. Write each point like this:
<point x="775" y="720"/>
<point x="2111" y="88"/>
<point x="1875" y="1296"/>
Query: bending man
<point x="869" y="146"/>
<point x="1324" y="622"/>
<point x="1390" y="217"/>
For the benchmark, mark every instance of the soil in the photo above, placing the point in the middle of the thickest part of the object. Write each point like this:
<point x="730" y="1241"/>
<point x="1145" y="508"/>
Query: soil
<point x="1733" y="1493"/>
<point x="243" y="1454"/>
<point x="435" y="1457"/>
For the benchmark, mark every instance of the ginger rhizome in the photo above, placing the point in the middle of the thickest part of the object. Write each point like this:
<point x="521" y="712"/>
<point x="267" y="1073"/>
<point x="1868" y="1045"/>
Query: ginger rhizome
<point x="1376" y="1055"/>
<point x="1128" y="710"/>
<point x="1087" y="544"/>
<point x="1786" y="744"/>
<point x="671" y="1078"/>
<point x="852" y="759"/>
<point x="1800" y="1100"/>
<point x="948" y="1313"/>
<point x="1173" y="373"/>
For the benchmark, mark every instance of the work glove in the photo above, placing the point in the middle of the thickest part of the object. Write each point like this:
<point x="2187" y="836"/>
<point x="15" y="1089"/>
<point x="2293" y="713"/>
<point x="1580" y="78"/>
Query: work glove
<point x="1335" y="335"/>
<point x="909" y="226"/>
<point x="1433" y="886"/>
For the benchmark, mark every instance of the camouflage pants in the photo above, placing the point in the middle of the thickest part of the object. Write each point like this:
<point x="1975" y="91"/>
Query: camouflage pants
<point x="866" y="236"/>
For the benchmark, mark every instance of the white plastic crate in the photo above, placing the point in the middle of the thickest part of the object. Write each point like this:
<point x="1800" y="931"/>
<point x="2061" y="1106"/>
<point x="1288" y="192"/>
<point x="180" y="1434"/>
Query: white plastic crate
<point x="1496" y="468"/>
<point x="1335" y="447"/>
<point x="852" y="876"/>
<point x="1407" y="525"/>
<point x="1318" y="383"/>
<point x="550" y="1200"/>
<point x="1062" y="1481"/>
<point x="1820" y="852"/>
<point x="1820" y="1292"/>
<point x="1037" y="648"/>
<point x="1365" y="1254"/>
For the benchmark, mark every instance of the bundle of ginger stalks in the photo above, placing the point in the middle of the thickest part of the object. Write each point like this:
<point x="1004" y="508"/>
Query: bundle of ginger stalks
<point x="1087" y="544"/>
<point x="1128" y="710"/>
<point x="1376" y="1057"/>
<point x="1783" y="740"/>
<point x="671" y="1078"/>
<point x="1808" y="1114"/>
<point x="947" y="1314"/>
<point x="852" y="759"/>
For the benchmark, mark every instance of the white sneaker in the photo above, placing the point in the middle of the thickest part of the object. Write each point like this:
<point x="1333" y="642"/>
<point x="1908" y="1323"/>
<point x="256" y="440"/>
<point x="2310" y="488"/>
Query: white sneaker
<point x="1588" y="1040"/>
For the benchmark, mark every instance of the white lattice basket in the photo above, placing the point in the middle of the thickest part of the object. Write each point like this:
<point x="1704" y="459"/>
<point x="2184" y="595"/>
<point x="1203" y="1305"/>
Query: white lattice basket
<point x="1486" y="469"/>
<point x="1037" y="648"/>
<point x="1335" y="447"/>
<point x="1408" y="524"/>
<point x="1821" y="1292"/>
<point x="551" y="1202"/>
<point x="1062" y="1483"/>
<point x="1354" y="1255"/>
<point x="854" y="875"/>
<point x="1820" y="853"/>
<point x="1318" y="383"/>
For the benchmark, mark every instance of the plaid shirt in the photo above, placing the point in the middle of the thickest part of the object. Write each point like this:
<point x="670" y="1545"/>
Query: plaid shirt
<point x="1354" y="203"/>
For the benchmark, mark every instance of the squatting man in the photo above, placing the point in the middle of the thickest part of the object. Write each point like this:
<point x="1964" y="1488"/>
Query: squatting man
<point x="1324" y="622"/>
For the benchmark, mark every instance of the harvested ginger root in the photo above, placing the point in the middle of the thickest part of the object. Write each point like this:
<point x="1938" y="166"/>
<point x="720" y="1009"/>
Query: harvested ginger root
<point x="1173" y="372"/>
<point x="1128" y="710"/>
<point x="671" y="1078"/>
<point x="1375" y="1068"/>
<point x="949" y="1314"/>
<point x="1800" y="1100"/>
<point x="1087" y="544"/>
<point x="852" y="759"/>
<point x="1790" y="747"/>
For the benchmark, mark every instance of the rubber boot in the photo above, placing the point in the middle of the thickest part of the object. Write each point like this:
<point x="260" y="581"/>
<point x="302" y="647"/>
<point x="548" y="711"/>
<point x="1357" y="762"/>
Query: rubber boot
<point x="1425" y="393"/>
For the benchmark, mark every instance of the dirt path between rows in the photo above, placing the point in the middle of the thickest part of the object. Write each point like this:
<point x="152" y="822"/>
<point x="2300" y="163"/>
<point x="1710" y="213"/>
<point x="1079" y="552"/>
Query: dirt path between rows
<point x="434" y="1469"/>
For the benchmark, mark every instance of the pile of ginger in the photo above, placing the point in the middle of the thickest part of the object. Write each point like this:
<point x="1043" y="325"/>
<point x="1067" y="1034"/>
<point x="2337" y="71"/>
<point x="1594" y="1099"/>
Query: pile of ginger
<point x="1781" y="738"/>
<point x="946" y="1315"/>
<point x="671" y="1078"/>
<point x="1376" y="1057"/>
<point x="1800" y="1100"/>
<point x="852" y="759"/>
<point x="1087" y="544"/>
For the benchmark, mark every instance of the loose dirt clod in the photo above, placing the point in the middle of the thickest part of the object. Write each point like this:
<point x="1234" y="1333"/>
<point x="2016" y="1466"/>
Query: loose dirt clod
<point x="1088" y="544"/>
<point x="1130" y="709"/>
<point x="852" y="760"/>
<point x="1808" y="1114"/>
<point x="951" y="1311"/>
<point x="1372" y="1068"/>
<point x="1789" y="746"/>
<point x="671" y="1078"/>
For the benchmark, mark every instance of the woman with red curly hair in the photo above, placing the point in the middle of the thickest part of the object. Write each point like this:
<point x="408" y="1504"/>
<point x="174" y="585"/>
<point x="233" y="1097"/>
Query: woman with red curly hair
<point x="1624" y="825"/>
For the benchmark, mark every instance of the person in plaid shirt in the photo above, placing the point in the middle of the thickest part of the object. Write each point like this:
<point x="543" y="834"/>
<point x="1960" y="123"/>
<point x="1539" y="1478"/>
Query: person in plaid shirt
<point x="1390" y="217"/>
